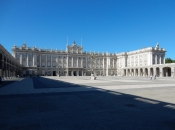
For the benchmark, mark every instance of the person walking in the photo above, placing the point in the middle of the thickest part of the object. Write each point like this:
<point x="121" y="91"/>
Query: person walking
<point x="155" y="77"/>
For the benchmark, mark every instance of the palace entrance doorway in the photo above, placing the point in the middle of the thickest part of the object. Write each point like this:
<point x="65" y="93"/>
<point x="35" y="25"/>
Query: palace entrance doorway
<point x="75" y="74"/>
<point x="54" y="73"/>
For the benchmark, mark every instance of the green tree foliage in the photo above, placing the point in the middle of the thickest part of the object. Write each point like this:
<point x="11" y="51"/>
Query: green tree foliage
<point x="169" y="60"/>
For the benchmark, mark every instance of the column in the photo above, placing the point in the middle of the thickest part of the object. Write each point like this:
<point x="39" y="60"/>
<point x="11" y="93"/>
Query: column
<point x="161" y="72"/>
<point x="107" y="66"/>
<point x="72" y="62"/>
<point x="77" y="72"/>
<point x="62" y="62"/>
<point x="51" y="62"/>
<point x="164" y="60"/>
<point x="40" y="60"/>
<point x="155" y="73"/>
<point x="67" y="62"/>
<point x="67" y="66"/>
<point x="138" y="72"/>
<point x="138" y="62"/>
<point x="155" y="59"/>
<point x="151" y="60"/>
<point x="46" y="63"/>
<point x="86" y="63"/>
<point x="173" y="70"/>
<point x="109" y="62"/>
<point x="126" y="72"/>
<point x="21" y="58"/>
<point x="27" y="60"/>
<point x="103" y="66"/>
<point x="56" y="60"/>
<point x="77" y="61"/>
<point x="148" y="72"/>
<point x="144" y="72"/>
<point x="72" y="73"/>
<point x="134" y="72"/>
<point x="82" y="62"/>
<point x="33" y="60"/>
<point x="35" y="63"/>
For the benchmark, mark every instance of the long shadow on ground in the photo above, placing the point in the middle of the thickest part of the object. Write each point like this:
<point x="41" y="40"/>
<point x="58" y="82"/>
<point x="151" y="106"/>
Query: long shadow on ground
<point x="100" y="109"/>
<point x="41" y="82"/>
<point x="7" y="82"/>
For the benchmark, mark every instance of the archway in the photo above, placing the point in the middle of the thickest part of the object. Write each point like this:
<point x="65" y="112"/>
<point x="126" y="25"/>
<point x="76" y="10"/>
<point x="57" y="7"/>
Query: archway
<point x="157" y="72"/>
<point x="136" y="73"/>
<point x="167" y="72"/>
<point x="54" y="73"/>
<point x="146" y="72"/>
<point x="124" y="72"/>
<point x="132" y="72"/>
<point x="141" y="72"/>
<point x="70" y="73"/>
<point x="129" y="72"/>
<point x="151" y="72"/>
<point x="75" y="74"/>
<point x="80" y="73"/>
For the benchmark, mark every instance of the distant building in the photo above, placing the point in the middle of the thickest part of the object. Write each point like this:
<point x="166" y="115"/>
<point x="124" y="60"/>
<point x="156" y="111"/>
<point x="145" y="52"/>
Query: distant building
<point x="75" y="62"/>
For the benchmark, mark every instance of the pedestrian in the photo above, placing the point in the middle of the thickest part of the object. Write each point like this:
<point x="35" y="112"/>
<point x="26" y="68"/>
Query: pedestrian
<point x="151" y="77"/>
<point x="0" y="81"/>
<point x="155" y="77"/>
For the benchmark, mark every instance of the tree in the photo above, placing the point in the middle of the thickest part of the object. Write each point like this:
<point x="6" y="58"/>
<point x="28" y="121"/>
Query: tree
<point x="168" y="60"/>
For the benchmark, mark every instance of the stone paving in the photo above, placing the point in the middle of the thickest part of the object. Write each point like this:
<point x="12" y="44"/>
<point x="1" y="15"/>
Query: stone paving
<point x="74" y="103"/>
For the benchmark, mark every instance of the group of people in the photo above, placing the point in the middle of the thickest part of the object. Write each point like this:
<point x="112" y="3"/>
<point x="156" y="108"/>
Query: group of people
<point x="151" y="77"/>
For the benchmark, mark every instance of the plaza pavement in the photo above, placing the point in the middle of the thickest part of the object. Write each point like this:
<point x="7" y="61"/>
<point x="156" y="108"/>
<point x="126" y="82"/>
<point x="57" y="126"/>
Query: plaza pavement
<point x="128" y="85"/>
<point x="80" y="103"/>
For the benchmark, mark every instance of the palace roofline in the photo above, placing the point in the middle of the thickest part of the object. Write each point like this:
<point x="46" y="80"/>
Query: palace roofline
<point x="24" y="48"/>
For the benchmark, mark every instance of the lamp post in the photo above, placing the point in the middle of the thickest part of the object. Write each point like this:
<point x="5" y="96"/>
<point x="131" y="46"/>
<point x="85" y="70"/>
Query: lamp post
<point x="92" y="57"/>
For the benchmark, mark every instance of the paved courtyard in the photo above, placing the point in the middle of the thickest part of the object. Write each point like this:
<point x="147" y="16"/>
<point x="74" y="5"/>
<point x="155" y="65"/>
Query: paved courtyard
<point x="77" y="103"/>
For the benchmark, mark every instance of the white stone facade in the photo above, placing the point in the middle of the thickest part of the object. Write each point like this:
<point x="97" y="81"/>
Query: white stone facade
<point x="75" y="62"/>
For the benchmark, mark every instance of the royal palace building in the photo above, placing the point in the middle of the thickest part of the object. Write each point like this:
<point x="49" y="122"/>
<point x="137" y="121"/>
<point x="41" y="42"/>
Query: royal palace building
<point x="75" y="62"/>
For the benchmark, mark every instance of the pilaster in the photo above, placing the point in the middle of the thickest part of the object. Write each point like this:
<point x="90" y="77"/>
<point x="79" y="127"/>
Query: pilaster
<point x="27" y="60"/>
<point x="67" y="64"/>
<point x="51" y="61"/>
<point x="172" y="71"/>
<point x="46" y="62"/>
<point x="21" y="58"/>
<point x="40" y="60"/>
<point x="139" y="72"/>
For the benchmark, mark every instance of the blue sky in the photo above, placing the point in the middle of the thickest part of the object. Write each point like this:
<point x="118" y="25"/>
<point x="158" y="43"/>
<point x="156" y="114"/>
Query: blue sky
<point x="103" y="25"/>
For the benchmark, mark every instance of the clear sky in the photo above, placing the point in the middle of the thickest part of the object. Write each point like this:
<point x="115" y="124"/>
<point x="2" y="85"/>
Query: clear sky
<point x="103" y="25"/>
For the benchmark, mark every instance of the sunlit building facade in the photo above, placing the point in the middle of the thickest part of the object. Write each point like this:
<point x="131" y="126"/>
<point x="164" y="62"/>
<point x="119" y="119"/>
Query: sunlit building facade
<point x="75" y="62"/>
